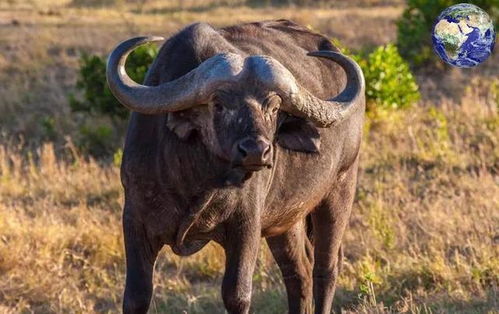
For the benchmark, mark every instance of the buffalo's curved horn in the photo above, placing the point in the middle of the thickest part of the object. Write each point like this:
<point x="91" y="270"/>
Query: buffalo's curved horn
<point x="325" y="113"/>
<point x="192" y="89"/>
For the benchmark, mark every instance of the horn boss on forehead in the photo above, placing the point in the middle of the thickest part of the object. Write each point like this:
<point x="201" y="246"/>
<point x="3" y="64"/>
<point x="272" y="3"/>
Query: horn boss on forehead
<point x="298" y="100"/>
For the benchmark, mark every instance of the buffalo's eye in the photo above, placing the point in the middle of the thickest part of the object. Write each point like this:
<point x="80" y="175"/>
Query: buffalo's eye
<point x="272" y="103"/>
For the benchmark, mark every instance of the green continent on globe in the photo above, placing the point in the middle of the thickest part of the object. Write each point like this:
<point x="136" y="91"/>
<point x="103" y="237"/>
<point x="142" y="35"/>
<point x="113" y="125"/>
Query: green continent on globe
<point x="451" y="35"/>
<point x="463" y="35"/>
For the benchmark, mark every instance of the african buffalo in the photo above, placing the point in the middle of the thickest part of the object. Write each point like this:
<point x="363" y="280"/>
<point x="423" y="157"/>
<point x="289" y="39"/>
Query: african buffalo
<point x="231" y="140"/>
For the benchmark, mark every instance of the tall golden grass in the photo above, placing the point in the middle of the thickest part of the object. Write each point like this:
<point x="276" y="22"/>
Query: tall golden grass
<point x="423" y="234"/>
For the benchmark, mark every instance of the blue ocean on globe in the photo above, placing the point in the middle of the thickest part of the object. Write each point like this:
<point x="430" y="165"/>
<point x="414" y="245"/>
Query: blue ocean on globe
<point x="463" y="35"/>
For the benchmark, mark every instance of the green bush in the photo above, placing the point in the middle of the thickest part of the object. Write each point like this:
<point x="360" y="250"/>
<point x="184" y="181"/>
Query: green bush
<point x="389" y="81"/>
<point x="96" y="98"/>
<point x="95" y="101"/>
<point x="96" y="140"/>
<point x="415" y="26"/>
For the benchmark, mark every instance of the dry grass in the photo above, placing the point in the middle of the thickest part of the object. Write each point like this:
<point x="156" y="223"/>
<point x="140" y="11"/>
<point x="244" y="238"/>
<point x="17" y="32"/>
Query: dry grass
<point x="423" y="237"/>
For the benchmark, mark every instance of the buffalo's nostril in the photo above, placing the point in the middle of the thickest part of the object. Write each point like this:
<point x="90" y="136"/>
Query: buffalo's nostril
<point x="266" y="151"/>
<point x="254" y="151"/>
<point x="242" y="150"/>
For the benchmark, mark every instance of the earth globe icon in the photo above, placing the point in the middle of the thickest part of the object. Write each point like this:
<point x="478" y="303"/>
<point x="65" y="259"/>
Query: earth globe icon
<point x="463" y="35"/>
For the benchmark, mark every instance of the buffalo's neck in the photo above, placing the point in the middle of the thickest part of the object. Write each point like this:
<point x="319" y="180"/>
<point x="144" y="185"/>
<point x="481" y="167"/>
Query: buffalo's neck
<point x="188" y="167"/>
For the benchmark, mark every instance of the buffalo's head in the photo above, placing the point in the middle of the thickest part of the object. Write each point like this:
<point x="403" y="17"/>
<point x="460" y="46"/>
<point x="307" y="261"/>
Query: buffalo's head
<point x="239" y="104"/>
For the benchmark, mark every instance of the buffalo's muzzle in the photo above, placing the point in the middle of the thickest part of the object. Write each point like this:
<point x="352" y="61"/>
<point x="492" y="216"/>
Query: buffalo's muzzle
<point x="254" y="153"/>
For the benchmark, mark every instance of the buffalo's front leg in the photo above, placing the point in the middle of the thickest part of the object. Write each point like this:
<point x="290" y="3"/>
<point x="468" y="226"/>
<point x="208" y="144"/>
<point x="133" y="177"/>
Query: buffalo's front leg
<point x="329" y="222"/>
<point x="293" y="253"/>
<point x="241" y="249"/>
<point x="141" y="254"/>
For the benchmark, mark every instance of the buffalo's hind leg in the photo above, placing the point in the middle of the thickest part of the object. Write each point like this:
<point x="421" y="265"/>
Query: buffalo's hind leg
<point x="141" y="254"/>
<point x="293" y="253"/>
<point x="329" y="220"/>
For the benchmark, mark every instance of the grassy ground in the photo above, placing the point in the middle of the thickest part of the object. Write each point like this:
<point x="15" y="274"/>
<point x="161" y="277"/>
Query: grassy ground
<point x="423" y="237"/>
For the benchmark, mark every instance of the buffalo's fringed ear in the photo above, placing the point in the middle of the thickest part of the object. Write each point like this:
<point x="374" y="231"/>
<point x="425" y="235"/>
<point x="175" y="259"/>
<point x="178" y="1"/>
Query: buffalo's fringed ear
<point x="179" y="124"/>
<point x="299" y="135"/>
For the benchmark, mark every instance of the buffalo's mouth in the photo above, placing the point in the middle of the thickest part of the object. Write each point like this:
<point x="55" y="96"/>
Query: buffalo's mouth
<point x="251" y="167"/>
<point x="254" y="168"/>
<point x="237" y="177"/>
<point x="239" y="173"/>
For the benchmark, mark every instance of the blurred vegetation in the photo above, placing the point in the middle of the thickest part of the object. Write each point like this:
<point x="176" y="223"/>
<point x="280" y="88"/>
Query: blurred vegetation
<point x="217" y="3"/>
<point x="286" y="2"/>
<point x="415" y="26"/>
<point x="96" y="100"/>
<point x="107" y="3"/>
<point x="389" y="81"/>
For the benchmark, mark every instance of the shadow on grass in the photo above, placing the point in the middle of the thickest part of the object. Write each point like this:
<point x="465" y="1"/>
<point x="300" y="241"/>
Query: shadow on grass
<point x="205" y="297"/>
<point x="92" y="3"/>
<point x="432" y="297"/>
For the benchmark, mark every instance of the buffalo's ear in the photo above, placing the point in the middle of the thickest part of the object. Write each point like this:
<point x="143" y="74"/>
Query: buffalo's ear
<point x="299" y="135"/>
<point x="178" y="123"/>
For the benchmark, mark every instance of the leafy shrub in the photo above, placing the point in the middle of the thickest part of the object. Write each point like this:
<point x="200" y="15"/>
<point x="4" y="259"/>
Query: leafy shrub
<point x="96" y="140"/>
<point x="415" y="26"/>
<point x="95" y="99"/>
<point x="117" y="157"/>
<point x="389" y="81"/>
<point x="48" y="127"/>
